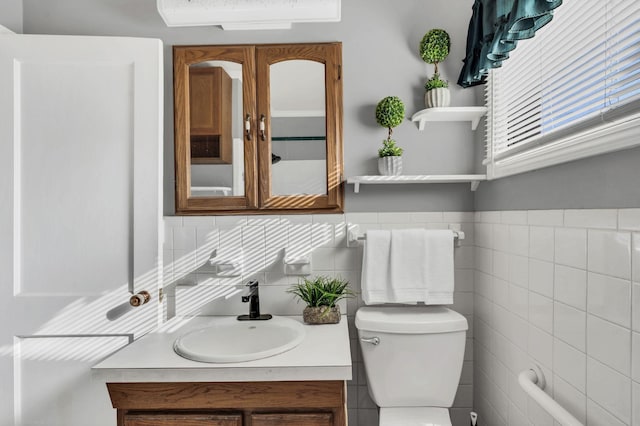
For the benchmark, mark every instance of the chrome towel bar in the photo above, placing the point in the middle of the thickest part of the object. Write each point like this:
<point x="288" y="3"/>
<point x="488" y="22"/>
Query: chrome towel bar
<point x="354" y="235"/>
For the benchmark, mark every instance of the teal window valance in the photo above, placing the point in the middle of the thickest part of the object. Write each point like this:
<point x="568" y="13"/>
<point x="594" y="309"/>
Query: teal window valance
<point x="494" y="31"/>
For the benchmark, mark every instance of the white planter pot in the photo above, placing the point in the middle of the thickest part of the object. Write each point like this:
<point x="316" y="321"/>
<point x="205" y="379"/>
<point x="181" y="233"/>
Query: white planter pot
<point x="440" y="97"/>
<point x="390" y="166"/>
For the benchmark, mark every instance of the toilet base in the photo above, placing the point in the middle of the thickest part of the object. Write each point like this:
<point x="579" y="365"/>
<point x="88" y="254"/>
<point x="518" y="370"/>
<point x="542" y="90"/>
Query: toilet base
<point x="414" y="416"/>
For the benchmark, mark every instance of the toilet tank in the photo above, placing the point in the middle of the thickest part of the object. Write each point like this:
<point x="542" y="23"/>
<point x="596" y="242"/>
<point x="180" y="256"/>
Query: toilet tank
<point x="418" y="359"/>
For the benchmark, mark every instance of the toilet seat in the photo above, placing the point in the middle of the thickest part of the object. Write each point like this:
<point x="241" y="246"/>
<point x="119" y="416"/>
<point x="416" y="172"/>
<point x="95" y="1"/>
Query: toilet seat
<point x="414" y="416"/>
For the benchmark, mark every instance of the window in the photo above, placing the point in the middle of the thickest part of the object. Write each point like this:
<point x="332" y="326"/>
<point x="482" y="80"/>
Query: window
<point x="570" y="92"/>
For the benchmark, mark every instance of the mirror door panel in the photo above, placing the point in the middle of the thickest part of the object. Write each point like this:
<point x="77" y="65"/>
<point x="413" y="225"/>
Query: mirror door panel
<point x="215" y="159"/>
<point x="300" y="126"/>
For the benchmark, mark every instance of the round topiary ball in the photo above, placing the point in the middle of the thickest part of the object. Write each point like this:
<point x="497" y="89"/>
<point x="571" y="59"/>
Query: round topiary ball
<point x="390" y="112"/>
<point x="435" y="46"/>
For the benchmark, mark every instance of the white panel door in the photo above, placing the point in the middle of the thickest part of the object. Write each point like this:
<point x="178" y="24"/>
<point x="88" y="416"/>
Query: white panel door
<point x="80" y="210"/>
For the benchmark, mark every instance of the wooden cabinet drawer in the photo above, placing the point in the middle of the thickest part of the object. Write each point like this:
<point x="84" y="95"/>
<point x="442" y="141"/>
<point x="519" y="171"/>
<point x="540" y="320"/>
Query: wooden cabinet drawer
<point x="173" y="419"/>
<point x="292" y="419"/>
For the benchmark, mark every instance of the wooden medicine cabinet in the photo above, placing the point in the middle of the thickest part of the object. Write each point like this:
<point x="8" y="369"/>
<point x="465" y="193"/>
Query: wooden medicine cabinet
<point x="258" y="128"/>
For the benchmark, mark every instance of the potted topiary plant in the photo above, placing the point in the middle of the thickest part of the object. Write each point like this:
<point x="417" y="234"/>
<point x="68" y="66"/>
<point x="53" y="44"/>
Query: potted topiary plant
<point x="434" y="48"/>
<point x="321" y="295"/>
<point x="389" y="114"/>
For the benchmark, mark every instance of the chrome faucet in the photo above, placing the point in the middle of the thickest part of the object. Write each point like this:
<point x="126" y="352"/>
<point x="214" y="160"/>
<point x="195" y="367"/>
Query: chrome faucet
<point x="254" y="304"/>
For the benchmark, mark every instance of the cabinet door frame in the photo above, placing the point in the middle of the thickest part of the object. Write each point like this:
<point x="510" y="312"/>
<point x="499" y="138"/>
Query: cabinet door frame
<point x="183" y="57"/>
<point x="328" y="54"/>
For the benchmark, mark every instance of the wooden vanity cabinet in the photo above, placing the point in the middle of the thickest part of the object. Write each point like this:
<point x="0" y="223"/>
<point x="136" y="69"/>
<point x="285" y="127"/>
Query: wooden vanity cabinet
<point x="210" y="115"/>
<point x="308" y="403"/>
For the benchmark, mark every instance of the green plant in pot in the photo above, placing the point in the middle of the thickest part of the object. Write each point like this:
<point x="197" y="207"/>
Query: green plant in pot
<point x="389" y="114"/>
<point x="321" y="294"/>
<point x="434" y="48"/>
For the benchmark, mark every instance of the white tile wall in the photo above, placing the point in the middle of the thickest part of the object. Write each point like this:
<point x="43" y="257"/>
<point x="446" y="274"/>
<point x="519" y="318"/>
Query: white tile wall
<point x="570" y="398"/>
<point x="546" y="217"/>
<point x="541" y="311"/>
<point x="570" y="364"/>
<point x="541" y="243"/>
<point x="636" y="307"/>
<point x="636" y="403"/>
<point x="570" y="286"/>
<point x="609" y="298"/>
<point x="602" y="336"/>
<point x="591" y="218"/>
<point x="609" y="389"/>
<point x="569" y="325"/>
<point x="541" y="277"/>
<point x="571" y="247"/>
<point x="559" y="288"/>
<point x="583" y="319"/>
<point x="629" y="219"/>
<point x="610" y="253"/>
<point x="636" y="257"/>
<point x="260" y="241"/>
<point x="635" y="366"/>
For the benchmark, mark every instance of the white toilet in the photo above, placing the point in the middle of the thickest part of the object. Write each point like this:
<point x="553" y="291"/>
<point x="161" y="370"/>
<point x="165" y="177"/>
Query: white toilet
<point x="413" y="358"/>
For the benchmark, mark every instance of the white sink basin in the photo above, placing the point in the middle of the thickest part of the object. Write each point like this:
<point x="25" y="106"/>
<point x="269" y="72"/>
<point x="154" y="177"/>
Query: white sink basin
<point x="230" y="340"/>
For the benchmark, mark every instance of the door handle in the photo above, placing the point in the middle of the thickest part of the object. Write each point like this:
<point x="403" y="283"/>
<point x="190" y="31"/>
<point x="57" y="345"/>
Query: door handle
<point x="140" y="298"/>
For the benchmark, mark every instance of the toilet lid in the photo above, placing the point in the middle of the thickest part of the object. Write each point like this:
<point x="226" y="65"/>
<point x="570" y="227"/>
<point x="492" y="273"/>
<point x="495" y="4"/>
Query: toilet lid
<point x="414" y="416"/>
<point x="410" y="319"/>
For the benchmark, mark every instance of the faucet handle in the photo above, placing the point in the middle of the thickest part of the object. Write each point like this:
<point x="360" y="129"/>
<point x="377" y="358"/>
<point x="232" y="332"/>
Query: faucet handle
<point x="253" y="290"/>
<point x="254" y="304"/>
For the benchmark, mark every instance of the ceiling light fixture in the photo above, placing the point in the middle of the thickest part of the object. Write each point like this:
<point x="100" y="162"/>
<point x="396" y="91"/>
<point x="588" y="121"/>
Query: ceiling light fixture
<point x="247" y="14"/>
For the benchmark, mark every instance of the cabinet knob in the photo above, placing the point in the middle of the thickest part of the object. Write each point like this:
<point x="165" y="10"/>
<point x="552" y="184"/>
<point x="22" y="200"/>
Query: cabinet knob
<point x="139" y="298"/>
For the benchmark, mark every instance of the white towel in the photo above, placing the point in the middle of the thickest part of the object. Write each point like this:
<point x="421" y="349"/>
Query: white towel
<point x="408" y="266"/>
<point x="375" y="267"/>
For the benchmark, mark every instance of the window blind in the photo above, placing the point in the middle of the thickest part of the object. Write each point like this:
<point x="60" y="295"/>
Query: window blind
<point x="579" y="72"/>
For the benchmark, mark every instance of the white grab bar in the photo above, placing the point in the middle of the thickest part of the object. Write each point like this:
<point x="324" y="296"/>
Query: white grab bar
<point x="533" y="382"/>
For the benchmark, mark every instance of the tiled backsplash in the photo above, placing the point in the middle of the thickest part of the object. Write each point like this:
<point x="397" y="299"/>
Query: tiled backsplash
<point x="259" y="243"/>
<point x="561" y="289"/>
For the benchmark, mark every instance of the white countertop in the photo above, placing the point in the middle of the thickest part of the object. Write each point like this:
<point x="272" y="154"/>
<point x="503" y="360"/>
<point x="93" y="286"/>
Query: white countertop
<point x="324" y="354"/>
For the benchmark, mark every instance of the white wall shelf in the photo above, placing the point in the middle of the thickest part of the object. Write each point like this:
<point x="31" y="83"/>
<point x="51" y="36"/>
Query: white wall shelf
<point x="474" y="180"/>
<point x="472" y="114"/>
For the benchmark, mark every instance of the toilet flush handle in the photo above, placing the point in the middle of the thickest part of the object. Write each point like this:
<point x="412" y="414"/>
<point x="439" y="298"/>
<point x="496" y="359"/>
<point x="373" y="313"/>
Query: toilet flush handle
<point x="372" y="340"/>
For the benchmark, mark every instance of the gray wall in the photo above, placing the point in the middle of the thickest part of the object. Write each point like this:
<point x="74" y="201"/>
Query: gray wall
<point x="605" y="181"/>
<point x="380" y="58"/>
<point x="11" y="15"/>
